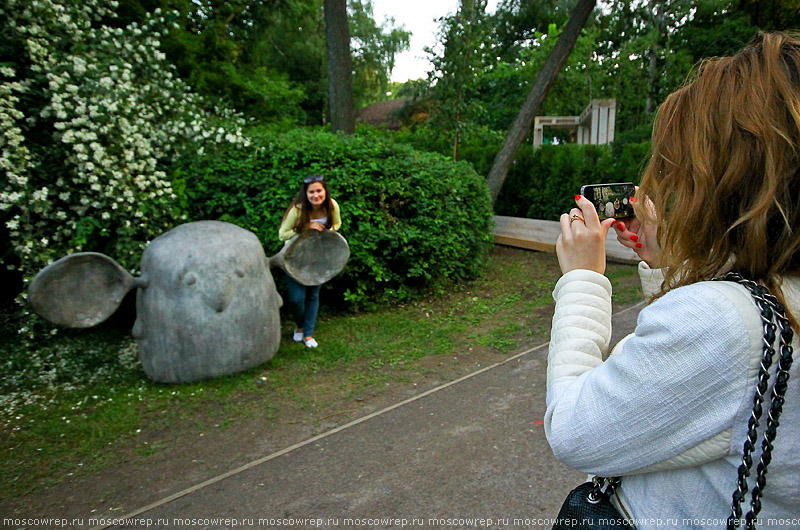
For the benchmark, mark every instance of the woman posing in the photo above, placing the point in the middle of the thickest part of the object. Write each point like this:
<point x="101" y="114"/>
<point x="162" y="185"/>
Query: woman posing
<point x="668" y="409"/>
<point x="312" y="209"/>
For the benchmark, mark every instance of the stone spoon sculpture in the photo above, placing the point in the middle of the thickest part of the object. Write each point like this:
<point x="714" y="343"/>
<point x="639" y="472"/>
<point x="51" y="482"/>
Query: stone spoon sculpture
<point x="206" y="303"/>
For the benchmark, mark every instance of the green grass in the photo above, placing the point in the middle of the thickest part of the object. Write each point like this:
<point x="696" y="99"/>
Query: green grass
<point x="95" y="398"/>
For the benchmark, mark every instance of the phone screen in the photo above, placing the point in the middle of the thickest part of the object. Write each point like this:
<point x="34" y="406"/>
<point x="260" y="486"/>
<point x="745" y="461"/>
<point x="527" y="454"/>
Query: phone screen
<point x="611" y="200"/>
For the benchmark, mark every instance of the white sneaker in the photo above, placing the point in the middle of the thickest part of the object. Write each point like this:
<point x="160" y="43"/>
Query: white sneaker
<point x="310" y="342"/>
<point x="298" y="336"/>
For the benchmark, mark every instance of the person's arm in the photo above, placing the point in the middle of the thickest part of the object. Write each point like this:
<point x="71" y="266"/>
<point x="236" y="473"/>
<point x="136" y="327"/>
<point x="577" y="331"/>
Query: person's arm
<point x="677" y="382"/>
<point x="286" y="230"/>
<point x="337" y="216"/>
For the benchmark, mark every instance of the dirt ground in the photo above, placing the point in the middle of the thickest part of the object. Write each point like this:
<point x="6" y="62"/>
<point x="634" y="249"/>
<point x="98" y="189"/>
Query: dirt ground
<point x="188" y="456"/>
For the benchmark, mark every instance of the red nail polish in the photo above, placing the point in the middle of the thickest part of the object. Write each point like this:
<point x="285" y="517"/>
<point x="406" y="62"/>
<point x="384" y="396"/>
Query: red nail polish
<point x="638" y="245"/>
<point x="634" y="238"/>
<point x="577" y="197"/>
<point x="613" y="222"/>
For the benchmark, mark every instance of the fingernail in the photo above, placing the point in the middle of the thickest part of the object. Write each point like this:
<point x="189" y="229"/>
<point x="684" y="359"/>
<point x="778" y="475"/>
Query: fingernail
<point x="633" y="199"/>
<point x="577" y="198"/>
<point x="621" y="226"/>
<point x="613" y="222"/>
<point x="638" y="245"/>
<point x="634" y="238"/>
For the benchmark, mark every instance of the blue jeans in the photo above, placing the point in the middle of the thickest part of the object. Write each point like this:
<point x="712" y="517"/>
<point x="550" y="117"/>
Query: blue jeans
<point x="304" y="305"/>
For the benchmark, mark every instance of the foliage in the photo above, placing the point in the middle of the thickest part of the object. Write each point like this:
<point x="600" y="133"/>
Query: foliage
<point x="267" y="58"/>
<point x="494" y="93"/>
<point x="373" y="47"/>
<point x="478" y="145"/>
<point x="504" y="86"/>
<point x="775" y="15"/>
<point x="636" y="44"/>
<point x="264" y="58"/>
<point x="542" y="184"/>
<point x="412" y="219"/>
<point x="89" y="117"/>
<point x="636" y="52"/>
<point x="517" y="23"/>
<point x="716" y="29"/>
<point x="455" y="70"/>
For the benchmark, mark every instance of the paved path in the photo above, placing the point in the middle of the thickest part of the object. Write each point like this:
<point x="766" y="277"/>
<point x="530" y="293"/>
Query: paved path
<point x="469" y="454"/>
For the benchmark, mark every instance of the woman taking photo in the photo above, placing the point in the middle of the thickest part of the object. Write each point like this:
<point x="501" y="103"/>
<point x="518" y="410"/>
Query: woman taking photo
<point x="668" y="410"/>
<point x="312" y="209"/>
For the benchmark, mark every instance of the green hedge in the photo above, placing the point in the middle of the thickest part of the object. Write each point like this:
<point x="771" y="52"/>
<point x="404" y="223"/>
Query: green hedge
<point x="413" y="219"/>
<point x="542" y="184"/>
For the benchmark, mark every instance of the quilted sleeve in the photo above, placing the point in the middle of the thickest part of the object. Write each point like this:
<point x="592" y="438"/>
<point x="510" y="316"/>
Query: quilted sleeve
<point x="581" y="327"/>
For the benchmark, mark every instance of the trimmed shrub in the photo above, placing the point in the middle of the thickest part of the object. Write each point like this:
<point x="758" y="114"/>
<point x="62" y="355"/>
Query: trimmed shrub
<point x="542" y="184"/>
<point x="413" y="219"/>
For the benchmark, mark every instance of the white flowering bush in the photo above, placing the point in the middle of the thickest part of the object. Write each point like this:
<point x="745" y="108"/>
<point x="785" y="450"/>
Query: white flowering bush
<point x="91" y="116"/>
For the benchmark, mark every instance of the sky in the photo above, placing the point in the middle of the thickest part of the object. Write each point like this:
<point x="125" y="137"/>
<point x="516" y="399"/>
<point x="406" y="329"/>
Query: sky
<point x="419" y="17"/>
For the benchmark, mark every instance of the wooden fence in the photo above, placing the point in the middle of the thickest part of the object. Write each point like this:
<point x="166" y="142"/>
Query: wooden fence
<point x="535" y="234"/>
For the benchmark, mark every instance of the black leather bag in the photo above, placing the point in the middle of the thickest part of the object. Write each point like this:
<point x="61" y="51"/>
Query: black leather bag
<point x="588" y="507"/>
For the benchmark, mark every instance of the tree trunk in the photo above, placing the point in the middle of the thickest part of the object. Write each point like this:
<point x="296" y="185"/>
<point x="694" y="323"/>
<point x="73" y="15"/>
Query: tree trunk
<point x="340" y="75"/>
<point x="522" y="124"/>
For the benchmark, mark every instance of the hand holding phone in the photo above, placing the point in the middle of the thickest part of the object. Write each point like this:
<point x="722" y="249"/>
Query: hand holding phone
<point x="642" y="238"/>
<point x="582" y="243"/>
<point x="612" y="201"/>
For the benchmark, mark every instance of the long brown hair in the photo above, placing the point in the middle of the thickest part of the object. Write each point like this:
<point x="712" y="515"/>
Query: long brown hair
<point x="724" y="175"/>
<point x="301" y="202"/>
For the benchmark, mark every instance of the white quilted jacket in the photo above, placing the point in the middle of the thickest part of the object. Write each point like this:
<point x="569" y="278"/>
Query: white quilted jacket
<point x="668" y="409"/>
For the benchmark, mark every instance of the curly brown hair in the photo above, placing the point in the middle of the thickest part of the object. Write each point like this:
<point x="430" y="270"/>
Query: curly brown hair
<point x="724" y="175"/>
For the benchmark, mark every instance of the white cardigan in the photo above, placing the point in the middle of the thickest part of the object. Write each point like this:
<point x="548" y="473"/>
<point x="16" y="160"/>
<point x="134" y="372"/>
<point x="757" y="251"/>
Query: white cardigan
<point x="669" y="409"/>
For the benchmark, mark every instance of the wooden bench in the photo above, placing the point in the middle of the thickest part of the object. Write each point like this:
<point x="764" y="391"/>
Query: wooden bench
<point x="535" y="234"/>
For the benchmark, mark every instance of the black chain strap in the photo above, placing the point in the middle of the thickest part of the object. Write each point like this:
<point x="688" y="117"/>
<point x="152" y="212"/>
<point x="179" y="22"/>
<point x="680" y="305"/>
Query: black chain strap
<point x="770" y="309"/>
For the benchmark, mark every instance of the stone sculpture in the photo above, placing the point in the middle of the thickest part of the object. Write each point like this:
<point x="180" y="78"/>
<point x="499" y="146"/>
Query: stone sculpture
<point x="206" y="302"/>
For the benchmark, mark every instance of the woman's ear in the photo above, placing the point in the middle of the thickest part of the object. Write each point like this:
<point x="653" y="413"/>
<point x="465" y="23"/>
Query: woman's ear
<point x="80" y="290"/>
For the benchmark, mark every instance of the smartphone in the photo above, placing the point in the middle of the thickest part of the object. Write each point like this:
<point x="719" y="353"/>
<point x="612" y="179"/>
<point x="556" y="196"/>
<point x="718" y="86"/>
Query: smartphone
<point x="611" y="200"/>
